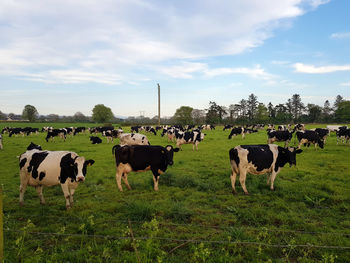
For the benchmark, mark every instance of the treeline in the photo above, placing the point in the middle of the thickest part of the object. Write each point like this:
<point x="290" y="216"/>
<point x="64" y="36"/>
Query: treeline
<point x="250" y="110"/>
<point x="246" y="111"/>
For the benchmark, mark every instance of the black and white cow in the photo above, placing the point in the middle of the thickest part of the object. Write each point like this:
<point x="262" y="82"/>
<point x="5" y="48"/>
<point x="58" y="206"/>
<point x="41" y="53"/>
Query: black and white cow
<point x="133" y="139"/>
<point x="307" y="136"/>
<point x="139" y="158"/>
<point x="48" y="168"/>
<point x="33" y="146"/>
<point x="259" y="159"/>
<point x="1" y="147"/>
<point x="79" y="130"/>
<point x="323" y="133"/>
<point x="111" y="134"/>
<point x="95" y="140"/>
<point x="343" y="134"/>
<point x="279" y="136"/>
<point x="228" y="126"/>
<point x="62" y="133"/>
<point x="299" y="127"/>
<point x="237" y="131"/>
<point x="16" y="131"/>
<point x="194" y="137"/>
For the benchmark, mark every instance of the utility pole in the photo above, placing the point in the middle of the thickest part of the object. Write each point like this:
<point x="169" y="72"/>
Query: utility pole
<point x="158" y="104"/>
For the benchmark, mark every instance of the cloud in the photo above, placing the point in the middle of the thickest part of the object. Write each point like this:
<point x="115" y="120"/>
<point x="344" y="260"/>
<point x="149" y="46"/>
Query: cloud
<point x="340" y="35"/>
<point x="311" y="69"/>
<point x="345" y="84"/>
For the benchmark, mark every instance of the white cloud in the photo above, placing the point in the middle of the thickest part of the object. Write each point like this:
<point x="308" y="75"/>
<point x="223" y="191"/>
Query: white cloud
<point x="345" y="84"/>
<point x="311" y="69"/>
<point x="340" y="35"/>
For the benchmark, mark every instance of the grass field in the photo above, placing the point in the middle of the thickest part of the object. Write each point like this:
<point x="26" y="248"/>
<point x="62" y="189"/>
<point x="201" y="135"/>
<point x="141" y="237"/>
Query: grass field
<point x="192" y="218"/>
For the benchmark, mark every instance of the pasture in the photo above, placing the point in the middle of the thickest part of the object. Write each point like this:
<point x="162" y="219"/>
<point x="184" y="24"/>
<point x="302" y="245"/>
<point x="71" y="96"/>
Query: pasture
<point x="192" y="218"/>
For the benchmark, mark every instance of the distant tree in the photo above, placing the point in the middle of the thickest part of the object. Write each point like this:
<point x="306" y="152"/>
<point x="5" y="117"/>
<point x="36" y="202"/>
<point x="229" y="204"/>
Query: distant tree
<point x="252" y="105"/>
<point x="101" y="113"/>
<point x="282" y="115"/>
<point x="53" y="117"/>
<point x="30" y="113"/>
<point x="271" y="111"/>
<point x="339" y="99"/>
<point x="183" y="115"/>
<point x="215" y="113"/>
<point x="262" y="114"/>
<point x="297" y="106"/>
<point x="326" y="111"/>
<point x="11" y="116"/>
<point x="2" y="116"/>
<point x="314" y="112"/>
<point x="198" y="116"/>
<point x="342" y="113"/>
<point x="79" y="117"/>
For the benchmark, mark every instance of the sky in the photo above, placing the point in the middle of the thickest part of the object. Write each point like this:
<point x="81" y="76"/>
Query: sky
<point x="67" y="56"/>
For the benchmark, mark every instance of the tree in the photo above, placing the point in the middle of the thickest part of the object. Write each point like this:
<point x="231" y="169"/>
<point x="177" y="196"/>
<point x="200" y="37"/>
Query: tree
<point x="215" y="113"/>
<point x="30" y="113"/>
<point x="297" y="106"/>
<point x="326" y="111"/>
<point x="79" y="117"/>
<point x="183" y="115"/>
<point x="262" y="114"/>
<point x="101" y="113"/>
<point x="252" y="105"/>
<point x="314" y="112"/>
<point x="53" y="117"/>
<point x="2" y="116"/>
<point x="271" y="111"/>
<point x="343" y="111"/>
<point x="339" y="99"/>
<point x="198" y="116"/>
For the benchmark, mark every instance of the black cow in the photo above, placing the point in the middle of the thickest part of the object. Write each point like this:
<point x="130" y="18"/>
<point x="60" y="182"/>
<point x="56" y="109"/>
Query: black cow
<point x="279" y="136"/>
<point x="194" y="137"/>
<point x="79" y="130"/>
<point x="95" y="140"/>
<point x="228" y="126"/>
<point x="48" y="168"/>
<point x="16" y="131"/>
<point x="236" y="131"/>
<point x="343" y="134"/>
<point x="306" y="137"/>
<point x="139" y="158"/>
<point x="259" y="159"/>
<point x="323" y="133"/>
<point x="62" y="133"/>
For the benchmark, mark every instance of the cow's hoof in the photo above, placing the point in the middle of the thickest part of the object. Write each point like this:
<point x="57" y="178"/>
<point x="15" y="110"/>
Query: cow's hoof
<point x="246" y="193"/>
<point x="272" y="189"/>
<point x="234" y="192"/>
<point x="21" y="204"/>
<point x="68" y="207"/>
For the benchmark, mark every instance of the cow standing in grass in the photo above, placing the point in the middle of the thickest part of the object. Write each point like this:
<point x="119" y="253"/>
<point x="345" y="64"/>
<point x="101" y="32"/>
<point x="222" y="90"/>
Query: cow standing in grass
<point x="1" y="147"/>
<point x="139" y="158"/>
<point x="259" y="159"/>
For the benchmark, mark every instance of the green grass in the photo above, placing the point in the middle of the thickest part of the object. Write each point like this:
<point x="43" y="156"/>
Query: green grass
<point x="311" y="205"/>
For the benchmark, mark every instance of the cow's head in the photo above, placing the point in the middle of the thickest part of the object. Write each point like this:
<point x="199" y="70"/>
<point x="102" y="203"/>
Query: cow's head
<point x="80" y="165"/>
<point x="291" y="153"/>
<point x="320" y="143"/>
<point x="169" y="153"/>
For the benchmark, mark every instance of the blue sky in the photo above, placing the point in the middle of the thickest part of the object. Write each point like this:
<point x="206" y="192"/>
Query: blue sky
<point x="67" y="56"/>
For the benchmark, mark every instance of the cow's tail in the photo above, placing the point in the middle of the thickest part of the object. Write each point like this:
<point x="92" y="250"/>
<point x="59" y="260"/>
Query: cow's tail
<point x="234" y="159"/>
<point x="115" y="149"/>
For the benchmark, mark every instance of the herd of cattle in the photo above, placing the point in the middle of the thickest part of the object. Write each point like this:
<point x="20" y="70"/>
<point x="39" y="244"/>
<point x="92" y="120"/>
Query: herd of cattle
<point x="40" y="168"/>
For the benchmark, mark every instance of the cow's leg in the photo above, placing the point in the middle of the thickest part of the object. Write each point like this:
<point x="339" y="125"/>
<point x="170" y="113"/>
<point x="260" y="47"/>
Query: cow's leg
<point x="71" y="193"/>
<point x="66" y="194"/>
<point x="233" y="181"/>
<point x="125" y="179"/>
<point x="155" y="179"/>
<point x="242" y="177"/>
<point x="286" y="144"/>
<point x="39" y="190"/>
<point x="268" y="178"/>
<point x="273" y="177"/>
<point x="196" y="145"/>
<point x="22" y="188"/>
<point x="118" y="177"/>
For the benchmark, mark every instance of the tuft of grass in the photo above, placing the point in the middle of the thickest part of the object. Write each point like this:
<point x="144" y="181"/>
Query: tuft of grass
<point x="139" y="210"/>
<point x="178" y="212"/>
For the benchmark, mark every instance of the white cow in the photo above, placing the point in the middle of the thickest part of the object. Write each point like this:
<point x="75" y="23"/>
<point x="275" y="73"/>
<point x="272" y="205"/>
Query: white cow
<point x="133" y="139"/>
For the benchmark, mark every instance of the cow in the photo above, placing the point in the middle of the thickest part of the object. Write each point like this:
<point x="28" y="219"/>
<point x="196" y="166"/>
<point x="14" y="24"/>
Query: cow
<point x="323" y="133"/>
<point x="139" y="158"/>
<point x="342" y="134"/>
<point x="33" y="146"/>
<point x="334" y="128"/>
<point x="194" y="137"/>
<point x="228" y="126"/>
<point x="62" y="133"/>
<point x="111" y="134"/>
<point x="16" y="131"/>
<point x="299" y="127"/>
<point x="1" y="147"/>
<point x="170" y="132"/>
<point x="79" y="130"/>
<point x="236" y="131"/>
<point x="259" y="159"/>
<point x="133" y="139"/>
<point x="279" y="136"/>
<point x="95" y="140"/>
<point x="282" y="128"/>
<point x="307" y="136"/>
<point x="47" y="168"/>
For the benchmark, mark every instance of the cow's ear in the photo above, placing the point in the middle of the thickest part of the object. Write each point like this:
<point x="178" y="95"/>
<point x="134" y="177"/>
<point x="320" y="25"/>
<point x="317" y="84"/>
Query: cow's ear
<point x="299" y="151"/>
<point x="176" y="149"/>
<point x="90" y="162"/>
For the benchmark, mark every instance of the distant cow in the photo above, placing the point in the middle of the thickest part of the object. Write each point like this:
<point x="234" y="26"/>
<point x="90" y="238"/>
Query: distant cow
<point x="228" y="126"/>
<point x="62" y="133"/>
<point x="33" y="146"/>
<point x="48" y="168"/>
<point x="306" y="137"/>
<point x="259" y="159"/>
<point x="194" y="137"/>
<point x="133" y="139"/>
<point x="323" y="133"/>
<point x="237" y="131"/>
<point x="1" y="147"/>
<point x="343" y="134"/>
<point x="139" y="158"/>
<point x="95" y="140"/>
<point x="111" y="134"/>
<point x="279" y="136"/>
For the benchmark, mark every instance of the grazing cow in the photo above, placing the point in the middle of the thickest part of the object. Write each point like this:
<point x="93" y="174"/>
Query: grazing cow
<point x="62" y="133"/>
<point x="139" y="158"/>
<point x="279" y="136"/>
<point x="306" y="137"/>
<point x="79" y="130"/>
<point x="323" y="133"/>
<point x="334" y="128"/>
<point x="170" y="132"/>
<point x="299" y="127"/>
<point x="236" y="131"/>
<point x="282" y="128"/>
<point x="1" y="147"/>
<point x="111" y="134"/>
<point x="194" y="137"/>
<point x="33" y="146"/>
<point x="95" y="140"/>
<point x="342" y="134"/>
<point x="228" y="126"/>
<point x="133" y="139"/>
<point x="16" y="131"/>
<point x="48" y="168"/>
<point x="135" y="129"/>
<point x="259" y="159"/>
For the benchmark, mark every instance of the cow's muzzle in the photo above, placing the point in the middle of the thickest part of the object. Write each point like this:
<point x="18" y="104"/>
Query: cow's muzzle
<point x="80" y="179"/>
<point x="171" y="163"/>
